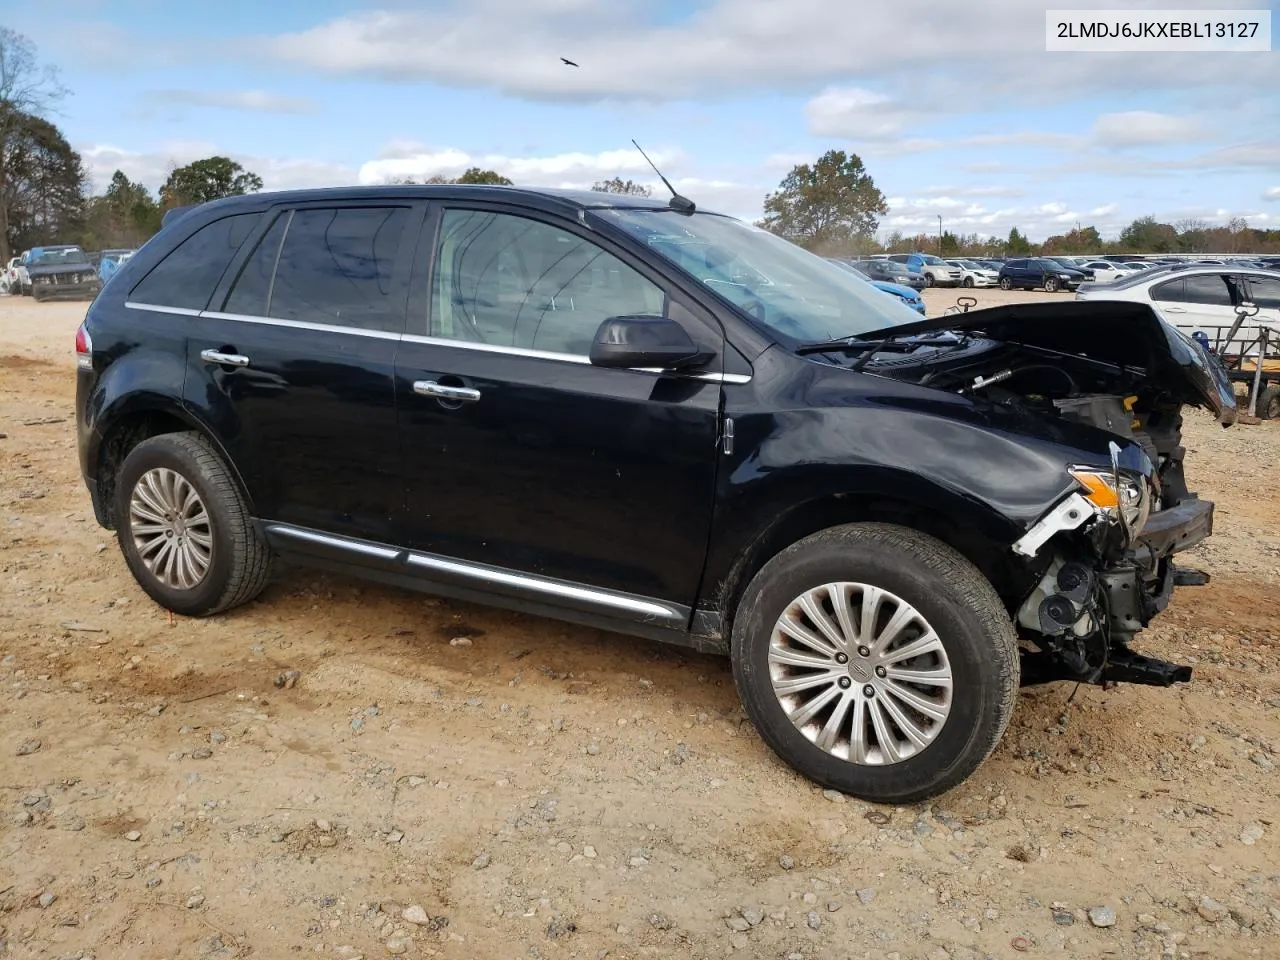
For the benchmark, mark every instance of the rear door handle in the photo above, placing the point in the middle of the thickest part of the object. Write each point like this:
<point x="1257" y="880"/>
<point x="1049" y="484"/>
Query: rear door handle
<point x="1175" y="309"/>
<point x="429" y="388"/>
<point x="224" y="359"/>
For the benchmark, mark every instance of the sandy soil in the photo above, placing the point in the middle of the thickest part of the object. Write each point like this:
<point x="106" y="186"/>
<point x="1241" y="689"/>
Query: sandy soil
<point x="552" y="791"/>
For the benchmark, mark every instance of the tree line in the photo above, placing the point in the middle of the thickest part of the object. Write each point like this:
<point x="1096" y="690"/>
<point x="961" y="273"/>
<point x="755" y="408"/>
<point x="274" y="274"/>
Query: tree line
<point x="831" y="206"/>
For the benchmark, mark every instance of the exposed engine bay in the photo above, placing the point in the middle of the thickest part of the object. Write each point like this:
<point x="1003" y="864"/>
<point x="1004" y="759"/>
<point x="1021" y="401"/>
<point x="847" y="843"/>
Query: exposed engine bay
<point x="1100" y="565"/>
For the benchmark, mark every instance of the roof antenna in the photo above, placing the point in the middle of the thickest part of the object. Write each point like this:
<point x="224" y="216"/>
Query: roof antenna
<point x="677" y="203"/>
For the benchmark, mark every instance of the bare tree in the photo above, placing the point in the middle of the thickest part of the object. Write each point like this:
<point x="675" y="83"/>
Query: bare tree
<point x="27" y="89"/>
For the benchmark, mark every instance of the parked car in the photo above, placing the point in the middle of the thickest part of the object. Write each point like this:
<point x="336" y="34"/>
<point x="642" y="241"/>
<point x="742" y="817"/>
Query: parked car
<point x="767" y="458"/>
<point x="109" y="262"/>
<point x="891" y="272"/>
<point x="975" y="274"/>
<point x="1072" y="263"/>
<point x="9" y="282"/>
<point x="60" y="272"/>
<point x="23" y="277"/>
<point x="1106" y="272"/>
<point x="1198" y="297"/>
<point x="937" y="273"/>
<point x="1032" y="272"/>
<point x="906" y="294"/>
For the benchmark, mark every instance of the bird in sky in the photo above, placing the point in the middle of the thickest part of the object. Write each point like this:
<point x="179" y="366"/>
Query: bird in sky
<point x="568" y="63"/>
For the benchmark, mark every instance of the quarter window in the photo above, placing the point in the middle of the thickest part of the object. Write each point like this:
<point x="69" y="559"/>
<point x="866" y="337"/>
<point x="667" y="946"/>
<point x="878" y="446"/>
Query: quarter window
<point x="252" y="291"/>
<point x="187" y="276"/>
<point x="338" y="266"/>
<point x="510" y="281"/>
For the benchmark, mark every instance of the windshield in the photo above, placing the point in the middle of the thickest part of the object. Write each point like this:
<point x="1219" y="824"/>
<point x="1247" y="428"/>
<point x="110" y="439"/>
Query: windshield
<point x="929" y="258"/>
<point x="49" y="258"/>
<point x="793" y="292"/>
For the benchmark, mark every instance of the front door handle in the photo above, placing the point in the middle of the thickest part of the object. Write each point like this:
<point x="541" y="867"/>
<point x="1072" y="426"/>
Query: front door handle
<point x="429" y="388"/>
<point x="1175" y="309"/>
<point x="224" y="359"/>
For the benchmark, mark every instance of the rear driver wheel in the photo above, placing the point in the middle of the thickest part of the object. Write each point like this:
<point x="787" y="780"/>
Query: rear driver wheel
<point x="1268" y="406"/>
<point x="184" y="528"/>
<point x="877" y="661"/>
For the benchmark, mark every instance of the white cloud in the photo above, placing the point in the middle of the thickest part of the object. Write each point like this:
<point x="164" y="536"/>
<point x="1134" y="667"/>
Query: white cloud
<point x="856" y="114"/>
<point x="1271" y="193"/>
<point x="542" y="171"/>
<point x="1105" y="210"/>
<point x="732" y="48"/>
<point x="255" y="100"/>
<point x="1143" y="128"/>
<point x="152" y="167"/>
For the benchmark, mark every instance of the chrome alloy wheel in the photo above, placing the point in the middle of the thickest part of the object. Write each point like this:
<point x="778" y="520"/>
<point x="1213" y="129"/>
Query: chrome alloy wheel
<point x="860" y="673"/>
<point x="170" y="528"/>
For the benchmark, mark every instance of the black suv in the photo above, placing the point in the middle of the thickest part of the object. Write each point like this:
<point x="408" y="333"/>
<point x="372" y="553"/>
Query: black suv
<point x="660" y="421"/>
<point x="1032" y="272"/>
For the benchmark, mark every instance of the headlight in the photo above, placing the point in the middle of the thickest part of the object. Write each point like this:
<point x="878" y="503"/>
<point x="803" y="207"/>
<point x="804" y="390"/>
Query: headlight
<point x="1064" y="276"/>
<point x="1133" y="499"/>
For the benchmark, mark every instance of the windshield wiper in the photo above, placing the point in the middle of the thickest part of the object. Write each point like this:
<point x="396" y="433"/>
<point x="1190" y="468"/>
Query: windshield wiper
<point x="854" y="345"/>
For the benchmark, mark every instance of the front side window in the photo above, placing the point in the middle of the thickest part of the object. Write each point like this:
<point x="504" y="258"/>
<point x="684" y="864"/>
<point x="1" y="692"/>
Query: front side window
<point x="1265" y="292"/>
<point x="1209" y="289"/>
<point x="337" y="266"/>
<point x="510" y="281"/>
<point x="790" y="290"/>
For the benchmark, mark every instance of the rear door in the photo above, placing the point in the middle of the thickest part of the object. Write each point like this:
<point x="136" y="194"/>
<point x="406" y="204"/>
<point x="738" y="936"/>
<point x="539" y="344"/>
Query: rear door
<point x="1265" y="292"/>
<point x="1199" y="302"/>
<point x="294" y="361"/>
<point x="519" y="454"/>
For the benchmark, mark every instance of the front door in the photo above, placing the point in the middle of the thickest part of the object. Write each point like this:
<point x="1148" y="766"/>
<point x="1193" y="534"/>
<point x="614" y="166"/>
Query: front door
<point x="522" y="456"/>
<point x="296" y="358"/>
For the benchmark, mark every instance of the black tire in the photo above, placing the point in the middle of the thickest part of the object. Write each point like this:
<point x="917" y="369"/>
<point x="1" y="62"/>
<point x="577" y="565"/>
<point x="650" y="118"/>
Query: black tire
<point x="928" y="280"/>
<point x="38" y="296"/>
<point x="957" y="601"/>
<point x="1050" y="284"/>
<point x="240" y="560"/>
<point x="1006" y="283"/>
<point x="968" y="281"/>
<point x="1268" y="406"/>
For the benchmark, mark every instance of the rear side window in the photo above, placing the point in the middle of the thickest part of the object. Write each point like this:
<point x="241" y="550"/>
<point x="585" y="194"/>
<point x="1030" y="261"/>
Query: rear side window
<point x="252" y="291"/>
<point x="1265" y="292"/>
<point x="338" y="266"/>
<point x="1210" y="289"/>
<point x="188" y="275"/>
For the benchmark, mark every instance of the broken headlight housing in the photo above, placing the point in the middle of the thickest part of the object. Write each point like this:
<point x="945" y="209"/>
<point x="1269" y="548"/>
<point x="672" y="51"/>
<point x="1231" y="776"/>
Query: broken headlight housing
<point x="1129" y="499"/>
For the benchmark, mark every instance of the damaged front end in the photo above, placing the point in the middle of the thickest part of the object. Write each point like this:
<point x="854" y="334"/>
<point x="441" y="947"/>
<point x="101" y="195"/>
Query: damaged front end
<point x="1110" y="554"/>
<point x="1099" y="564"/>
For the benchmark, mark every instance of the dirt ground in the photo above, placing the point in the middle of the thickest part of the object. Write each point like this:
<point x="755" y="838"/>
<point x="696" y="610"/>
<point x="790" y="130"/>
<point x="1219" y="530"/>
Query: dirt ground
<point x="548" y="791"/>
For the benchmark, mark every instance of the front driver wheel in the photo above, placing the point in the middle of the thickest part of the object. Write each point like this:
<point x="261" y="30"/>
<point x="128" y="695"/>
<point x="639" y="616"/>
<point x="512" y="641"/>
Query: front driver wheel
<point x="1006" y="283"/>
<point x="877" y="661"/>
<point x="929" y="280"/>
<point x="184" y="528"/>
<point x="1050" y="284"/>
<point x="968" y="281"/>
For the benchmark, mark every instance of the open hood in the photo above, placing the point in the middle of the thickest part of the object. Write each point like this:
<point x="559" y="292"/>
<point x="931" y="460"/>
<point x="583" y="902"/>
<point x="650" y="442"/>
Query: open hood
<point x="1123" y="333"/>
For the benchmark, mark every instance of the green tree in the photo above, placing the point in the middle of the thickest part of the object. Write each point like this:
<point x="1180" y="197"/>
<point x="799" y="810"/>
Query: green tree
<point x="1148" y="235"/>
<point x="1017" y="245"/>
<point x="829" y="206"/>
<point x="208" y="179"/>
<point x="489" y="177"/>
<point x="618" y="185"/>
<point x="44" y="185"/>
<point x="27" y="91"/>
<point x="124" y="216"/>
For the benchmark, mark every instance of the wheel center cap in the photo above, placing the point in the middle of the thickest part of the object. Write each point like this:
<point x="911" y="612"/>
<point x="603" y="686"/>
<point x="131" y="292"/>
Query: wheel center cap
<point x="859" y="670"/>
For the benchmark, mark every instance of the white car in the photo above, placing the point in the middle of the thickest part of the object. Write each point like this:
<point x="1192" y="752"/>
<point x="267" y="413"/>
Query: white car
<point x="1104" y="271"/>
<point x="9" y="276"/>
<point x="974" y="274"/>
<point x="1200" y="297"/>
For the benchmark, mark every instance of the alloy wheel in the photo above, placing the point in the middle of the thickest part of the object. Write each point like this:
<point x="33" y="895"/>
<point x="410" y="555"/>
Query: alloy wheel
<point x="860" y="673"/>
<point x="171" y="528"/>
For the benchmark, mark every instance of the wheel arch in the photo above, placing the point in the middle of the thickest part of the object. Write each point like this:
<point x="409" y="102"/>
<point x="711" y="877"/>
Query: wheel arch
<point x="129" y="425"/>
<point x="976" y="532"/>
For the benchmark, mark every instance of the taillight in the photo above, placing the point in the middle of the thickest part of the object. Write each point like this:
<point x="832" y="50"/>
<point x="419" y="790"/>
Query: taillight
<point x="84" y="349"/>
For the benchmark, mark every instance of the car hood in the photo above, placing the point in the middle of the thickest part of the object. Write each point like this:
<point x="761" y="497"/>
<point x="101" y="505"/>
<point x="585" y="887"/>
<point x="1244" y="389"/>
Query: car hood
<point x="53" y="269"/>
<point x="1123" y="333"/>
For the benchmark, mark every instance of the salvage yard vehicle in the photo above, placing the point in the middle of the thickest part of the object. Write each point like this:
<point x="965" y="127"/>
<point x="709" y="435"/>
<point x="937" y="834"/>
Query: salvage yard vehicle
<point x="1028" y="273"/>
<point x="61" y="272"/>
<point x="660" y="421"/>
<point x="9" y="282"/>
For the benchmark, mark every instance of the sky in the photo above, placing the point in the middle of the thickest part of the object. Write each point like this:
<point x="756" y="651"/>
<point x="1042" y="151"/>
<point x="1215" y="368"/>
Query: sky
<point x="955" y="106"/>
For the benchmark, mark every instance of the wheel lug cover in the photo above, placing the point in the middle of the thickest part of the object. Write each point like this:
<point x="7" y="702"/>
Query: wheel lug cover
<point x="869" y="690"/>
<point x="845" y="683"/>
<point x="881" y="672"/>
<point x="864" y="651"/>
<point x="842" y="658"/>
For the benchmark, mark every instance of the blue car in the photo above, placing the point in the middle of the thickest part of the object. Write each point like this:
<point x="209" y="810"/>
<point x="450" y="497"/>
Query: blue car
<point x="908" y="296"/>
<point x="111" y="261"/>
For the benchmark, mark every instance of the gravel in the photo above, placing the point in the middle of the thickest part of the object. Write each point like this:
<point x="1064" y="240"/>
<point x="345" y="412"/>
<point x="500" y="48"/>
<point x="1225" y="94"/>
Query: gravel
<point x="1102" y="916"/>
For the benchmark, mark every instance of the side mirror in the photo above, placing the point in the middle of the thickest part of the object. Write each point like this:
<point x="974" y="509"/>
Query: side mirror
<point x="644" y="341"/>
